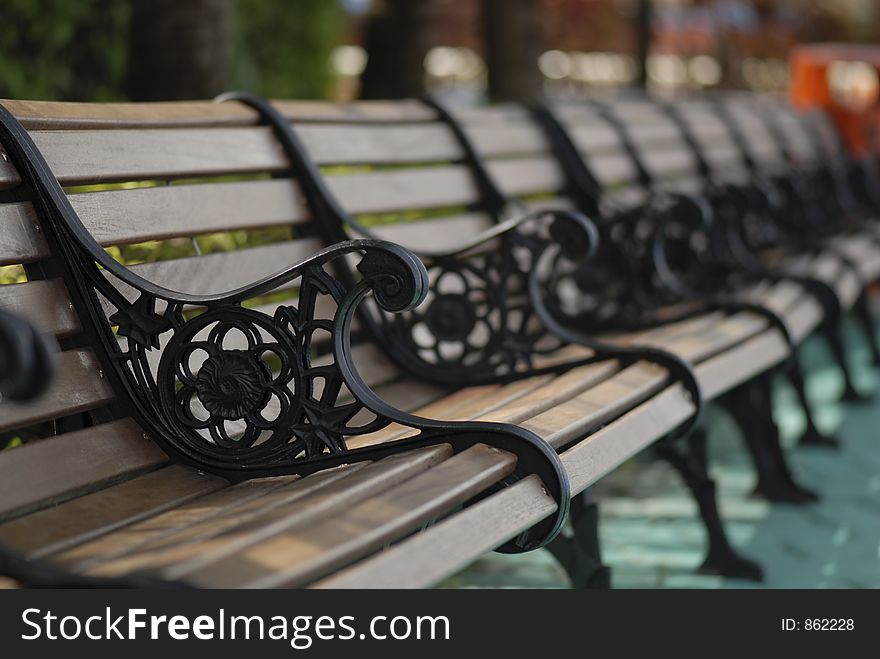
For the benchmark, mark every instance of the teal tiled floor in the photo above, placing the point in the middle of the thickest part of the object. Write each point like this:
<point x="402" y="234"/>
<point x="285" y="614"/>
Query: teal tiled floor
<point x="651" y="537"/>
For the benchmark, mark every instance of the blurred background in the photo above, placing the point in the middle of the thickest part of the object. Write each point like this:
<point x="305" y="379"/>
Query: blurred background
<point x="466" y="50"/>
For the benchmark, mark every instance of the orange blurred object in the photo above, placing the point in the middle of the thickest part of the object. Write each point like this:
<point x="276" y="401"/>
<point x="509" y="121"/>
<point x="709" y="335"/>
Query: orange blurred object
<point x="842" y="79"/>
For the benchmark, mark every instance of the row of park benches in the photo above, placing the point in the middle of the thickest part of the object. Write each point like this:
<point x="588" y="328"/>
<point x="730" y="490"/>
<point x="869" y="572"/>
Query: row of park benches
<point x="361" y="345"/>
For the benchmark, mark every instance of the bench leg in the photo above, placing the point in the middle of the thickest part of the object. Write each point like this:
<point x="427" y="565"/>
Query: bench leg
<point x="579" y="554"/>
<point x="812" y="436"/>
<point x="833" y="334"/>
<point x="751" y="407"/>
<point x="688" y="458"/>
<point x="869" y="325"/>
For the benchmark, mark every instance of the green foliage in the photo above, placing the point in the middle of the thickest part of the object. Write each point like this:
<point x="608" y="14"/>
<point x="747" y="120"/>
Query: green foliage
<point x="56" y="49"/>
<point x="78" y="50"/>
<point x="282" y="48"/>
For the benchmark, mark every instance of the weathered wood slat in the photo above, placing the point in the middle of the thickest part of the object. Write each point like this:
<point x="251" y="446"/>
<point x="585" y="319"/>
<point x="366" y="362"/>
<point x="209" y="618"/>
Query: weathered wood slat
<point x="157" y="213"/>
<point x="523" y="176"/>
<point x="440" y="551"/>
<point x="20" y="240"/>
<point x="45" y="472"/>
<point x="78" y="520"/>
<point x="424" y="188"/>
<point x="45" y="115"/>
<point x="80" y="157"/>
<point x="117" y="217"/>
<point x="510" y="403"/>
<point x="438" y="234"/>
<point x="45" y="303"/>
<point x="205" y="517"/>
<point x="203" y="547"/>
<point x="501" y="114"/>
<point x="381" y="144"/>
<point x="296" y="556"/>
<point x="523" y="138"/>
<point x="612" y="168"/>
<point x="78" y="387"/>
<point x="576" y="417"/>
<point x="669" y="163"/>
<point x="594" y="137"/>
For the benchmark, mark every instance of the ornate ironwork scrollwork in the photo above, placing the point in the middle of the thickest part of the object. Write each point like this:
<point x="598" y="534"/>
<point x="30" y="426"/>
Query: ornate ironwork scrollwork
<point x="242" y="393"/>
<point x="499" y="312"/>
<point x="478" y="323"/>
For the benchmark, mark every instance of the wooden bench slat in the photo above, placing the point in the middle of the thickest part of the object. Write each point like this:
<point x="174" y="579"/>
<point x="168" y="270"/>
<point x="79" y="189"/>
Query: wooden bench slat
<point x="509" y="403"/>
<point x="207" y="516"/>
<point x="54" y="529"/>
<point x="576" y="417"/>
<point x="408" y="393"/>
<point x="190" y="548"/>
<point x="293" y="557"/>
<point x="587" y="461"/>
<point x="80" y="157"/>
<point x="595" y="456"/>
<point x="20" y="241"/>
<point x="523" y="176"/>
<point x="118" y="217"/>
<point x="494" y="115"/>
<point x="78" y="387"/>
<point x="523" y="139"/>
<point x="129" y="216"/>
<point x="669" y="163"/>
<point x="98" y="156"/>
<point x="595" y="137"/>
<point x="441" y="550"/>
<point x="47" y="471"/>
<point x="439" y="233"/>
<point x="387" y="191"/>
<point x="330" y="144"/>
<point x="46" y="115"/>
<point x="611" y="168"/>
<point x="44" y="303"/>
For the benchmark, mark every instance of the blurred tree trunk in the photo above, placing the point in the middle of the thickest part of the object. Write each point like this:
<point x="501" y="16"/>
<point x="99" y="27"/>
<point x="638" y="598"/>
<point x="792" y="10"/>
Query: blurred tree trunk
<point x="179" y="49"/>
<point x="512" y="41"/>
<point x="644" y="17"/>
<point x="398" y="37"/>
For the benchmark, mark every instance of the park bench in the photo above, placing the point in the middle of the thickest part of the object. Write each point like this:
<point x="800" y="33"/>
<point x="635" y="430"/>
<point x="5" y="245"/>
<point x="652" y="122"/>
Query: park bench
<point x="617" y="184"/>
<point x="697" y="147"/>
<point x="509" y="152"/>
<point x="822" y="188"/>
<point x="92" y="493"/>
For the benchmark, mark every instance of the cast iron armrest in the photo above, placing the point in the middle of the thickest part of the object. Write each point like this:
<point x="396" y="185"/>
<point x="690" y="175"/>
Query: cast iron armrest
<point x="572" y="230"/>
